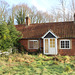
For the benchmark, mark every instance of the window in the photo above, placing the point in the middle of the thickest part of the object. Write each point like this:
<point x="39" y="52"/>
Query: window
<point x="52" y="43"/>
<point x="33" y="44"/>
<point x="65" y="44"/>
<point x="46" y="45"/>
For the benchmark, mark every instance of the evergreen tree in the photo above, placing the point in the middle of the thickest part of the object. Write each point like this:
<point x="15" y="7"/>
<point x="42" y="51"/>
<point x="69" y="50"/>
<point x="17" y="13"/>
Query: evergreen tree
<point x="14" y="34"/>
<point x="9" y="36"/>
<point x="5" y="39"/>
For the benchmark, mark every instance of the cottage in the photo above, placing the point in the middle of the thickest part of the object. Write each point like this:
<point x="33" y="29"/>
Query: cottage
<point x="50" y="38"/>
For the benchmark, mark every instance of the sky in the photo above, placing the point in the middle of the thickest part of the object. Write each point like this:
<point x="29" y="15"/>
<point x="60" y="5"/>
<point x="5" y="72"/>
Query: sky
<point x="43" y="5"/>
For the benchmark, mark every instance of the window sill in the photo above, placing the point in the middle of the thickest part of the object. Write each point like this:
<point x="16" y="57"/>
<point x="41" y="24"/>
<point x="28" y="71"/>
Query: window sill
<point x="65" y="48"/>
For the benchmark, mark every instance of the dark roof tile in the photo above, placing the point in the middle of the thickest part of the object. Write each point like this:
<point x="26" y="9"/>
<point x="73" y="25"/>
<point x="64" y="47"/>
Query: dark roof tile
<point x="60" y="29"/>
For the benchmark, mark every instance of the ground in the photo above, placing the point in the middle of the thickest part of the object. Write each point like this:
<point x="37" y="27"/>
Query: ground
<point x="24" y="64"/>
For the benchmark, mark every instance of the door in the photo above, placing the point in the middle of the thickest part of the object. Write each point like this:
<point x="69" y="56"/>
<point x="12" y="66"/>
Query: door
<point x="50" y="46"/>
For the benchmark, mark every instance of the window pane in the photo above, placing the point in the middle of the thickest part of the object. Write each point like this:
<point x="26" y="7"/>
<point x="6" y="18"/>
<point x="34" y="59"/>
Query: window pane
<point x="54" y="40"/>
<point x="67" y="44"/>
<point x="53" y="45"/>
<point x="64" y="44"/>
<point x="46" y="45"/>
<point x="35" y="44"/>
<point x="50" y="40"/>
<point x="30" y="44"/>
<point x="50" y="46"/>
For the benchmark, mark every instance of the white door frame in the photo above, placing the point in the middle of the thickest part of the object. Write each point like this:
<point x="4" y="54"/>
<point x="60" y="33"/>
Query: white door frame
<point x="49" y="45"/>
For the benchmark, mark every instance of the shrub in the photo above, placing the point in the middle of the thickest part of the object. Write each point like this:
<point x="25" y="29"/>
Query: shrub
<point x="56" y="63"/>
<point x="10" y="60"/>
<point x="37" y="70"/>
<point x="68" y="68"/>
<point x="21" y="48"/>
<point x="56" y="58"/>
<point x="9" y="36"/>
<point x="5" y="39"/>
<point x="67" y="59"/>
<point x="14" y="50"/>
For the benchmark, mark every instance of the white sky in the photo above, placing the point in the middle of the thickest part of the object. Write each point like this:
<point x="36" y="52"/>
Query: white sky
<point x="43" y="5"/>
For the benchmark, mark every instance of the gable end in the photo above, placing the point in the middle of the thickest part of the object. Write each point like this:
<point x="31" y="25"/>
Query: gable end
<point x="49" y="34"/>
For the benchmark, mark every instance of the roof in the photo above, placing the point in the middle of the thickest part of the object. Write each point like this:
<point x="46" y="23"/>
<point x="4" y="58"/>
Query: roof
<point x="60" y="29"/>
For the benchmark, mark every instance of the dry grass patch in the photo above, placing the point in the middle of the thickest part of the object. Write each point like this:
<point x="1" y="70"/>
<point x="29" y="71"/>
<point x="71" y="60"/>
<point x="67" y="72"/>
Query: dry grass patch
<point x="18" y="64"/>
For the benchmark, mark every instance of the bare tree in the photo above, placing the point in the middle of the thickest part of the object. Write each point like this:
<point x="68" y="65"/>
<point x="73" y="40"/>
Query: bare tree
<point x="63" y="9"/>
<point x="39" y="17"/>
<point x="19" y="12"/>
<point x="72" y="8"/>
<point x="32" y="13"/>
<point x="3" y="9"/>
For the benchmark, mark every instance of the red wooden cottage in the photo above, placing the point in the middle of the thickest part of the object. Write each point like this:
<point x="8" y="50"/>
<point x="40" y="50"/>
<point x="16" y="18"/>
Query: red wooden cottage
<point x="51" y="38"/>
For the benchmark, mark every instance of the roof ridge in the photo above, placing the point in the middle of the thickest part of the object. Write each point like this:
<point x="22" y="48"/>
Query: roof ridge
<point x="51" y="22"/>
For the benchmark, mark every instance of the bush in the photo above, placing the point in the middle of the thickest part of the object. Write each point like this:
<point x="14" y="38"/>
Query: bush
<point x="68" y="68"/>
<point x="14" y="50"/>
<point x="67" y="59"/>
<point x="56" y="63"/>
<point x="9" y="36"/>
<point x="5" y="39"/>
<point x="21" y="48"/>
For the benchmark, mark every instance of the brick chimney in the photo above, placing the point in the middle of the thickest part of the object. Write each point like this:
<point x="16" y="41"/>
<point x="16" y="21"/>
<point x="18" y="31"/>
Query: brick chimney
<point x="27" y="20"/>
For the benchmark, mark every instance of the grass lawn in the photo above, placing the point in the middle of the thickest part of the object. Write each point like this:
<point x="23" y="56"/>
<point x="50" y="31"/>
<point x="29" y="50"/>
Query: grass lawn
<point x="17" y="64"/>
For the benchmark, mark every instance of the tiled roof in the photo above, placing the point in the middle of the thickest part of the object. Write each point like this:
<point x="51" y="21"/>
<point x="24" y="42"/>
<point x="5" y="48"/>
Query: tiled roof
<point x="60" y="29"/>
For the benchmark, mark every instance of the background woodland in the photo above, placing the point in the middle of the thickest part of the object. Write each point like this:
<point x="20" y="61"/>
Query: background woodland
<point x="17" y="13"/>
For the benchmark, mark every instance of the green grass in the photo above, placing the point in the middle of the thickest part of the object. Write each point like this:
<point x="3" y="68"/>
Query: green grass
<point x="17" y="64"/>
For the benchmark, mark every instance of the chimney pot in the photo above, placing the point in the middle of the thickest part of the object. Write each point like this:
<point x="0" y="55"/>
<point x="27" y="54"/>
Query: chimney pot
<point x="28" y="20"/>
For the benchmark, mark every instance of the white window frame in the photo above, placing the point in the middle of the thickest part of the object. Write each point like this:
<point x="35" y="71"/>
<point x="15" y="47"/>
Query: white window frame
<point x="33" y="41"/>
<point x="65" y="48"/>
